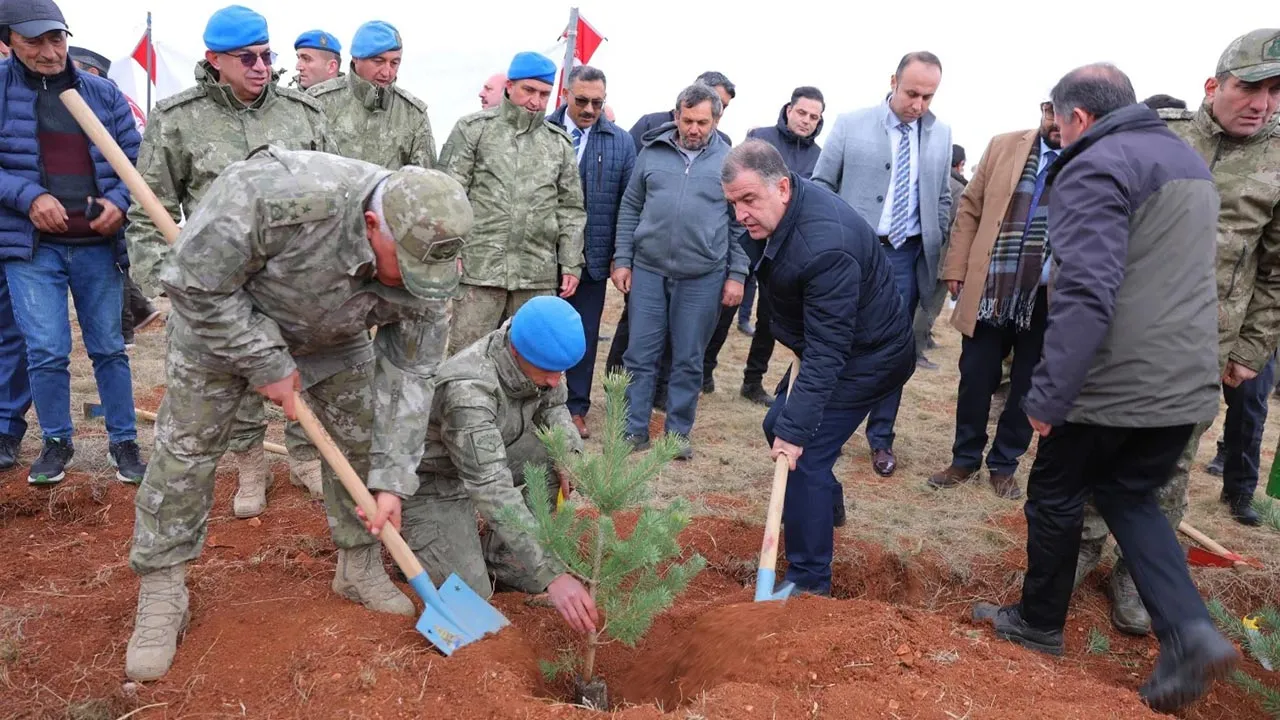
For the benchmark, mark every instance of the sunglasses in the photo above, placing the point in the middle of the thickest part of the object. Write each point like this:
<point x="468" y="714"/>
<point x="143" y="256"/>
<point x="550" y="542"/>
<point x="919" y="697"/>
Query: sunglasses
<point x="582" y="102"/>
<point x="250" y="60"/>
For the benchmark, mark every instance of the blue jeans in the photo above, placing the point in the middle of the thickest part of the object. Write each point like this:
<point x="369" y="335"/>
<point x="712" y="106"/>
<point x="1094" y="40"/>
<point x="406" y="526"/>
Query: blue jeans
<point x="1241" y="442"/>
<point x="15" y="391"/>
<point x="884" y="414"/>
<point x="812" y="492"/>
<point x="39" y="291"/>
<point x="685" y="310"/>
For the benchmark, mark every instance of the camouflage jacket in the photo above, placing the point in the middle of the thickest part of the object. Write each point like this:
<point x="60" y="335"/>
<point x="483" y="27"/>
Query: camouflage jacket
<point x="385" y="126"/>
<point x="273" y="272"/>
<point x="483" y="417"/>
<point x="1247" y="172"/>
<point x="521" y="175"/>
<point x="193" y="136"/>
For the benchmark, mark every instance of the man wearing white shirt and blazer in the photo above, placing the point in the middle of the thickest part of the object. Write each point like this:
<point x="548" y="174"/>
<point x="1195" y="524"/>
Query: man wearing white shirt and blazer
<point x="892" y="163"/>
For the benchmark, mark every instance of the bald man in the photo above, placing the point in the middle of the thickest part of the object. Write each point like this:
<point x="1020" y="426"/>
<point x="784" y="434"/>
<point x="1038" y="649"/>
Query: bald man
<point x="491" y="93"/>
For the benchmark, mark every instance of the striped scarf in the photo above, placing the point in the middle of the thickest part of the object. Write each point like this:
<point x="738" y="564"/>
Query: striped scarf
<point x="1017" y="257"/>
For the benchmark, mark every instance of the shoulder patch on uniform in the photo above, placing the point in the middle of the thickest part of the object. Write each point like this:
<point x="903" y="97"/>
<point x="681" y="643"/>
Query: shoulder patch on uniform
<point x="477" y="117"/>
<point x="182" y="98"/>
<point x="280" y="212"/>
<point x="558" y="129"/>
<point x="414" y="100"/>
<point x="305" y="99"/>
<point x="326" y="87"/>
<point x="1175" y="114"/>
<point x="487" y="445"/>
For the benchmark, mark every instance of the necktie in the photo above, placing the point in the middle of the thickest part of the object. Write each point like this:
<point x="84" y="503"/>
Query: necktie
<point x="577" y="141"/>
<point x="901" y="188"/>
<point x="1049" y="157"/>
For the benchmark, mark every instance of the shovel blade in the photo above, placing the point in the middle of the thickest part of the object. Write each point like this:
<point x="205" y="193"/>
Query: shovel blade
<point x="455" y="615"/>
<point x="1204" y="558"/>
<point x="93" y="410"/>
<point x="765" y="592"/>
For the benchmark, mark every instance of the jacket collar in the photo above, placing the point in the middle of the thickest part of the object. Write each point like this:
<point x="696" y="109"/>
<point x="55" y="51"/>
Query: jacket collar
<point x="512" y="379"/>
<point x="926" y="121"/>
<point x="207" y="78"/>
<point x="1136" y="117"/>
<point x="790" y="137"/>
<point x="1207" y="124"/>
<point x="780" y="234"/>
<point x="372" y="97"/>
<point x="66" y="79"/>
<point x="519" y="118"/>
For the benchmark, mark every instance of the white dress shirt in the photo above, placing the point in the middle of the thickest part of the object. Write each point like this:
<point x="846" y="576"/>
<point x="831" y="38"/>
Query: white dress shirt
<point x="570" y="127"/>
<point x="894" y="135"/>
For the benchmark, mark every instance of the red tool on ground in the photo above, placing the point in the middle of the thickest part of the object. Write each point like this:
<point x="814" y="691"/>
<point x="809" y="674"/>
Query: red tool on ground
<point x="1214" y="555"/>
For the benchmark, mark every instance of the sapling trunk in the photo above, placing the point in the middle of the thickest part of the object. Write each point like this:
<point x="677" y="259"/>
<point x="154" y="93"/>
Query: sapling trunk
<point x="593" y="637"/>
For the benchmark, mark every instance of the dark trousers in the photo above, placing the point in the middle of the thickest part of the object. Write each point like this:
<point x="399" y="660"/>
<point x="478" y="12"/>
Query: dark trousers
<point x="711" y="358"/>
<point x="748" y="298"/>
<point x="761" y="343"/>
<point x="903" y="261"/>
<point x="589" y="302"/>
<point x="618" y="350"/>
<point x="136" y="307"/>
<point x="1121" y="468"/>
<point x="15" y="389"/>
<point x="812" y="492"/>
<point x="1241" y="442"/>
<point x="981" y="363"/>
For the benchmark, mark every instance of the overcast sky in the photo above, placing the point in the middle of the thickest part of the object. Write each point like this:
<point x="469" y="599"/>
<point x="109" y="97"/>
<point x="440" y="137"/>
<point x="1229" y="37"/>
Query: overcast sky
<point x="1000" y="57"/>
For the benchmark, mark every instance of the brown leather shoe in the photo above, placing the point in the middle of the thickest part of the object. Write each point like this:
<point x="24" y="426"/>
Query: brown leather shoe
<point x="581" y="423"/>
<point x="951" y="477"/>
<point x="1005" y="486"/>
<point x="883" y="462"/>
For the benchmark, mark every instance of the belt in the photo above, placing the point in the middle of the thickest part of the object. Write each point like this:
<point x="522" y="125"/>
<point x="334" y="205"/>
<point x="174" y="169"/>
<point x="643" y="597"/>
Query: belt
<point x="884" y="240"/>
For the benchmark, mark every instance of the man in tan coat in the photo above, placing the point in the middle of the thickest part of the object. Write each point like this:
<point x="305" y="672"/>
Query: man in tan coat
<point x="998" y="267"/>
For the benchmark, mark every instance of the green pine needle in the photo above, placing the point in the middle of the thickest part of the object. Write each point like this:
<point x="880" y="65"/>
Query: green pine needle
<point x="1269" y="511"/>
<point x="1097" y="644"/>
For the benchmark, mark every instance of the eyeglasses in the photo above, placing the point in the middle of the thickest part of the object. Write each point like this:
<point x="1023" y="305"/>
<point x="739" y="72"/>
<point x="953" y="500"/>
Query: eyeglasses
<point x="1046" y="108"/>
<point x="582" y="102"/>
<point x="250" y="60"/>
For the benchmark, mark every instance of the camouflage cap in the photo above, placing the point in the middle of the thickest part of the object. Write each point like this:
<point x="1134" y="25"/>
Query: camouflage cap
<point x="1253" y="57"/>
<point x="428" y="214"/>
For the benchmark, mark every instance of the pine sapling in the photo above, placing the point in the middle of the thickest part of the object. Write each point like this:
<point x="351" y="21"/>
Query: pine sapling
<point x="631" y="579"/>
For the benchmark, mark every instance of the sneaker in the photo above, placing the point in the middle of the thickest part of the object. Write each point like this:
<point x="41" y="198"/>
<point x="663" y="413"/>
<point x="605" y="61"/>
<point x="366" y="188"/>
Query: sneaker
<point x="52" y="465"/>
<point x="9" y="445"/>
<point x="747" y="328"/>
<point x="925" y="363"/>
<point x="126" y="458"/>
<point x="638" y="443"/>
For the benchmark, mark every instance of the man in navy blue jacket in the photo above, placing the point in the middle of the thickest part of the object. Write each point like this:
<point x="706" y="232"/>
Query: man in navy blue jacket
<point x="61" y="213"/>
<point x="606" y="156"/>
<point x="834" y="304"/>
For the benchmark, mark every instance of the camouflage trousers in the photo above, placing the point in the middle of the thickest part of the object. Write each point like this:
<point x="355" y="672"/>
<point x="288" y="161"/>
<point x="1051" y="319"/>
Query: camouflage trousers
<point x="481" y="310"/>
<point x="193" y="428"/>
<point x="439" y="523"/>
<point x="1172" y="496"/>
<point x="249" y="429"/>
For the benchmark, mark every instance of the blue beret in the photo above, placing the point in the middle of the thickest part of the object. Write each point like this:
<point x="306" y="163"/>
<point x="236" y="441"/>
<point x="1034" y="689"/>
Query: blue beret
<point x="547" y="332"/>
<point x="318" y="40"/>
<point x="532" y="66"/>
<point x="234" y="27"/>
<point x="374" y="38"/>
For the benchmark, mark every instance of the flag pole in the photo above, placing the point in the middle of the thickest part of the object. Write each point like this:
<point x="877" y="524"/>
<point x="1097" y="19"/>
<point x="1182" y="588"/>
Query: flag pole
<point x="570" y="48"/>
<point x="149" y="63"/>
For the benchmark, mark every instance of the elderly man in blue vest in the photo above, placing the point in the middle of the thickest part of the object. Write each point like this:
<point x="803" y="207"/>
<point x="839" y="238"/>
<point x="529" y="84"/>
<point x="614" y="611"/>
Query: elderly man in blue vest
<point x="892" y="163"/>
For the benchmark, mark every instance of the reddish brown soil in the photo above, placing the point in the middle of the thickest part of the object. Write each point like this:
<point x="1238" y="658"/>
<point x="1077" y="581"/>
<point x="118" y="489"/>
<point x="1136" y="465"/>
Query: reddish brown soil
<point x="269" y="640"/>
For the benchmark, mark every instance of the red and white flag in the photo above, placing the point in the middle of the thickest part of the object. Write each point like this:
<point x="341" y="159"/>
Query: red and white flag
<point x="586" y="42"/>
<point x="168" y="70"/>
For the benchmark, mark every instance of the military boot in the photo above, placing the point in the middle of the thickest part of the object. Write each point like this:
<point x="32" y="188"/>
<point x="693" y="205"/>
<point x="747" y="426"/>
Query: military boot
<point x="306" y="474"/>
<point x="361" y="578"/>
<point x="162" y="617"/>
<point x="251" y="496"/>
<point x="1088" y="559"/>
<point x="1128" y="614"/>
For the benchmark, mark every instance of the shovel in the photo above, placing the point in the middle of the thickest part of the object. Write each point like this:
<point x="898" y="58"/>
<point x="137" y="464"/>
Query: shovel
<point x="454" y="615"/>
<point x="1214" y="555"/>
<point x="766" y="573"/>
<point x="95" y="410"/>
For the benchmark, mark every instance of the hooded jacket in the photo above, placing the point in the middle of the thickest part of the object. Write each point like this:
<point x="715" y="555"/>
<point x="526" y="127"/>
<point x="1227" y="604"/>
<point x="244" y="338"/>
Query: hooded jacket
<point x="799" y="153"/>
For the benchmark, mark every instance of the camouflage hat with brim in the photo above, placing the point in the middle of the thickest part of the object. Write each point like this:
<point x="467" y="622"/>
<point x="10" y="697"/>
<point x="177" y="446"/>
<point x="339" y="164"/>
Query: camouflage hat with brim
<point x="1253" y="57"/>
<point x="428" y="214"/>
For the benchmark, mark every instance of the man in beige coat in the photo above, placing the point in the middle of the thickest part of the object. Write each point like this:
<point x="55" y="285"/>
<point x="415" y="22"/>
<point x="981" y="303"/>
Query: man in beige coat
<point x="998" y="266"/>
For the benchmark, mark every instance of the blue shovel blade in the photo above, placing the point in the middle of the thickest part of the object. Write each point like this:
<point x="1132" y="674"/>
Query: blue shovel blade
<point x="455" y="615"/>
<point x="764" y="587"/>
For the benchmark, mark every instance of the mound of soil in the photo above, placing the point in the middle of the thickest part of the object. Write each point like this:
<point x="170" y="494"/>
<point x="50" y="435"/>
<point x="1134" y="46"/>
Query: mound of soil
<point x="268" y="639"/>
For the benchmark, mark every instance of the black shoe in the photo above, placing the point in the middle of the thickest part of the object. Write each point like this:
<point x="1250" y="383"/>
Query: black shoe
<point x="1191" y="659"/>
<point x="708" y="384"/>
<point x="127" y="460"/>
<point x="839" y="518"/>
<point x="1010" y="626"/>
<point x="128" y="338"/>
<point x="746" y="328"/>
<point x="1215" y="465"/>
<point x="638" y="443"/>
<point x="756" y="394"/>
<point x="52" y="465"/>
<point x="9" y="451"/>
<point x="1242" y="509"/>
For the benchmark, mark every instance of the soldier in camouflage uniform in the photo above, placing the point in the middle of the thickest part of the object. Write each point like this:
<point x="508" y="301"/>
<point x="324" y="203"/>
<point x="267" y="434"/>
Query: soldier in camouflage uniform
<point x="367" y="114"/>
<point x="275" y="281"/>
<point x="1236" y="132"/>
<point x="521" y="174"/>
<point x="319" y="59"/>
<point x="190" y="139"/>
<point x="488" y="401"/>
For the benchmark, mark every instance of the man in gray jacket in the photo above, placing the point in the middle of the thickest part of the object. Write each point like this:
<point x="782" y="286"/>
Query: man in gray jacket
<point x="678" y="256"/>
<point x="1130" y="365"/>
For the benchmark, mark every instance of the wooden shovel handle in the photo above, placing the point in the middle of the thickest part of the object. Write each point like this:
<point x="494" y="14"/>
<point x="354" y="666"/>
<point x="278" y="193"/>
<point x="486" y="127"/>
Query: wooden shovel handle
<point x="138" y="187"/>
<point x="777" y="495"/>
<point x="1210" y="544"/>
<point x="400" y="551"/>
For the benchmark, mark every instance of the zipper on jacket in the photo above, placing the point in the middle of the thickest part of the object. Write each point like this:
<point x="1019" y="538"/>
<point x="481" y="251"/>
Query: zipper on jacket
<point x="599" y="169"/>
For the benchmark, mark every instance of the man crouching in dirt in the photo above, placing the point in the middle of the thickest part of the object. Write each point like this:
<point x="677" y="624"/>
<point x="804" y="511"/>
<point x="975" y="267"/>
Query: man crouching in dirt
<point x="275" y="281"/>
<point x="835" y="305"/>
<point x="488" y="400"/>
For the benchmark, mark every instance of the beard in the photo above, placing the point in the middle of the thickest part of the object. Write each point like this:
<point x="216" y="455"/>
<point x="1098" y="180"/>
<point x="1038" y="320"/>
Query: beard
<point x="694" y="144"/>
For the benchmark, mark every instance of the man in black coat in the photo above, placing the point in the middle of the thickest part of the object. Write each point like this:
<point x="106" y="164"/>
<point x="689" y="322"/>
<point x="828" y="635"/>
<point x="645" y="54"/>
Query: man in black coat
<point x="834" y="304"/>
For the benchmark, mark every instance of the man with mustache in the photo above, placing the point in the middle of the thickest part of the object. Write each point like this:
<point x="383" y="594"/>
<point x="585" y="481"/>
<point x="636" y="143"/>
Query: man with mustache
<point x="190" y="139"/>
<point x="998" y="268"/>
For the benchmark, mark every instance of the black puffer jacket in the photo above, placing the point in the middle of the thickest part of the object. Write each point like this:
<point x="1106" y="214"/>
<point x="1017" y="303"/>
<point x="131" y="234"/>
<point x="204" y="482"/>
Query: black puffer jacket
<point x="800" y="153"/>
